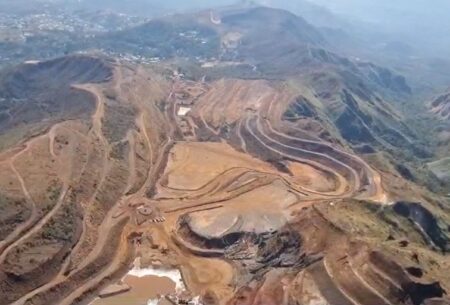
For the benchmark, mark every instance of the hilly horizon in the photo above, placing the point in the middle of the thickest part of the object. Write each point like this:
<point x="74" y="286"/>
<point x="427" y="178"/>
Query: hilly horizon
<point x="235" y="155"/>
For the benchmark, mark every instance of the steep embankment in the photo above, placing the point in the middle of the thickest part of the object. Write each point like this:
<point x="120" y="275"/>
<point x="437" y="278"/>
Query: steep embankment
<point x="74" y="172"/>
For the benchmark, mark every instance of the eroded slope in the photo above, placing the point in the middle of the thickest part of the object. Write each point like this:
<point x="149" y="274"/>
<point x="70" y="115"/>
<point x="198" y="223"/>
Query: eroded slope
<point x="250" y="187"/>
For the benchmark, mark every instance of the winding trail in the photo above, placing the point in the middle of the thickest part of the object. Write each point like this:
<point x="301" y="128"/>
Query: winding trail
<point x="213" y="194"/>
<point x="97" y="132"/>
<point x="110" y="220"/>
<point x="60" y="277"/>
<point x="367" y="285"/>
<point x="131" y="161"/>
<point x="330" y="274"/>
<point x="148" y="143"/>
<point x="5" y="245"/>
<point x="38" y="226"/>
<point x="32" y="225"/>
<point x="337" y="193"/>
<point x="11" y="240"/>
<point x="373" y="176"/>
<point x="94" y="133"/>
<point x="52" y="136"/>
<point x="241" y="138"/>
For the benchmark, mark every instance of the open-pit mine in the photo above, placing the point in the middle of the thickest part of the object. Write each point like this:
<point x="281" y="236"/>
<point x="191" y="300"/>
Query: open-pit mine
<point x="166" y="190"/>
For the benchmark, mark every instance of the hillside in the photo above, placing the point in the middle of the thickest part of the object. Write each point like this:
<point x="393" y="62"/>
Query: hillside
<point x="250" y="163"/>
<point x="137" y="154"/>
<point x="441" y="105"/>
<point x="36" y="95"/>
<point x="439" y="108"/>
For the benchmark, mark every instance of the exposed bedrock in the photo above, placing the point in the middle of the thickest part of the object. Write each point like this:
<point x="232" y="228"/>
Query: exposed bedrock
<point x="280" y="150"/>
<point x="273" y="146"/>
<point x="336" y="155"/>
<point x="426" y="222"/>
<point x="261" y="248"/>
<point x="325" y="267"/>
<point x="207" y="240"/>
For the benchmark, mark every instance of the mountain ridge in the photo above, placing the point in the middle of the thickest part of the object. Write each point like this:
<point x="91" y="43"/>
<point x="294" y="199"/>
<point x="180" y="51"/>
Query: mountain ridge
<point x="247" y="154"/>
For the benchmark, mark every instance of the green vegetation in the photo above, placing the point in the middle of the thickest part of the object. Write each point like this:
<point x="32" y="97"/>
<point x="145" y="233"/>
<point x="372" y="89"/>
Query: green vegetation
<point x="164" y="39"/>
<point x="300" y="108"/>
<point x="120" y="151"/>
<point x="13" y="212"/>
<point x="40" y="95"/>
<point x="441" y="169"/>
<point x="62" y="227"/>
<point x="117" y="121"/>
<point x="371" y="221"/>
<point x="53" y="193"/>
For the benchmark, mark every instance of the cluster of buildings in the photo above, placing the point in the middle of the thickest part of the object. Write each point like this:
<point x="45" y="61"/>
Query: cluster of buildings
<point x="50" y="33"/>
<point x="17" y="28"/>
<point x="133" y="58"/>
<point x="194" y="36"/>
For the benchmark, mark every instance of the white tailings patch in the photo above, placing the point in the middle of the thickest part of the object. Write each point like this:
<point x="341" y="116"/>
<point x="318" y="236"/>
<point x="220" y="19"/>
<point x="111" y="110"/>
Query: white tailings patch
<point x="183" y="111"/>
<point x="173" y="274"/>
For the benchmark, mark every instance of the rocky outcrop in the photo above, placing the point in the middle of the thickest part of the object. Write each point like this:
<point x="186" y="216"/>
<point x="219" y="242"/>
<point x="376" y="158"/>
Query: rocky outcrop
<point x="440" y="106"/>
<point x="426" y="222"/>
<point x="330" y="267"/>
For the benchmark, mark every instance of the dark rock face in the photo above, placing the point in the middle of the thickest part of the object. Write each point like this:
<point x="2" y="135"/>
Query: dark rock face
<point x="342" y="267"/>
<point x="405" y="172"/>
<point x="441" y="105"/>
<point x="301" y="107"/>
<point x="420" y="292"/>
<point x="425" y="220"/>
<point x="280" y="249"/>
<point x="352" y="130"/>
<point x="414" y="271"/>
